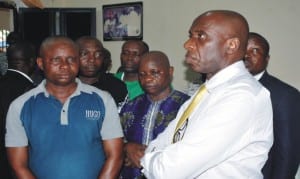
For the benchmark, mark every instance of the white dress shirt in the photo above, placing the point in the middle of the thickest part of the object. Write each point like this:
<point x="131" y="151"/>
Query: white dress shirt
<point x="259" y="75"/>
<point x="228" y="134"/>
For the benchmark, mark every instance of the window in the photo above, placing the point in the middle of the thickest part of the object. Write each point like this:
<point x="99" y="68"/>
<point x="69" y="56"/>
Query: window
<point x="37" y="24"/>
<point x="8" y="22"/>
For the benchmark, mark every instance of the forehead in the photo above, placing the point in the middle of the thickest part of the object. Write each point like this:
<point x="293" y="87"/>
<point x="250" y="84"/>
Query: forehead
<point x="203" y="21"/>
<point x="61" y="47"/>
<point x="90" y="44"/>
<point x="151" y="62"/>
<point x="132" y="45"/>
<point x="253" y="41"/>
<point x="214" y="24"/>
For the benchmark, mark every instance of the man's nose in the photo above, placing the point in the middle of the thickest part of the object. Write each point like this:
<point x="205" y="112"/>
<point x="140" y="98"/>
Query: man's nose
<point x="189" y="45"/>
<point x="247" y="55"/>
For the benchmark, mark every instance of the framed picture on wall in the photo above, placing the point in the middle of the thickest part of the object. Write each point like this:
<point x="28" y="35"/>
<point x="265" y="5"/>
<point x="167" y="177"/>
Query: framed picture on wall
<point x="123" y="21"/>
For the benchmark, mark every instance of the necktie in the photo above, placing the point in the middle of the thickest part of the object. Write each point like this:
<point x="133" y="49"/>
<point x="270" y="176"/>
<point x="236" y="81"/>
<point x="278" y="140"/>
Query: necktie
<point x="182" y="121"/>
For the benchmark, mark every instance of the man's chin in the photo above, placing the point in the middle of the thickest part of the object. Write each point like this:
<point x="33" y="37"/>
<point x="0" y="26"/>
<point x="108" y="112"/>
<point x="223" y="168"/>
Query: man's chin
<point x="89" y="74"/>
<point x="194" y="68"/>
<point x="130" y="71"/>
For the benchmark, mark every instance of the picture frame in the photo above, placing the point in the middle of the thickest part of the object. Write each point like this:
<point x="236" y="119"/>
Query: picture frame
<point x="123" y="21"/>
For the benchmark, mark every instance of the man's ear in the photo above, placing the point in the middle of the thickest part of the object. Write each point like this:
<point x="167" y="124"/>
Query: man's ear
<point x="232" y="45"/>
<point x="267" y="61"/>
<point x="268" y="58"/>
<point x="171" y="71"/>
<point x="39" y="62"/>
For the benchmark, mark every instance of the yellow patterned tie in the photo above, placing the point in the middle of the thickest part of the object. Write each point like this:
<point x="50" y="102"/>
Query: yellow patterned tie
<point x="188" y="111"/>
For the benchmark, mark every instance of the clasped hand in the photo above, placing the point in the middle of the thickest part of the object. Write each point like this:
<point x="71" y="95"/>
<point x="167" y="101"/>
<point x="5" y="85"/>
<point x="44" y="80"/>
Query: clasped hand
<point x="133" y="153"/>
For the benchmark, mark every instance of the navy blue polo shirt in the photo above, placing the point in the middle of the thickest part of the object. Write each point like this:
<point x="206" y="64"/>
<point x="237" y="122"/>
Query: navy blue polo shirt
<point x="64" y="140"/>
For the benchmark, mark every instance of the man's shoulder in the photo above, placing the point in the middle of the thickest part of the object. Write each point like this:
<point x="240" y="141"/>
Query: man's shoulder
<point x="23" y="98"/>
<point x="139" y="100"/>
<point x="118" y="75"/>
<point x="14" y="79"/>
<point x="92" y="90"/>
<point x="110" y="79"/>
<point x="275" y="85"/>
<point x="12" y="75"/>
<point x="233" y="79"/>
<point x="180" y="95"/>
<point x="177" y="92"/>
<point x="242" y="82"/>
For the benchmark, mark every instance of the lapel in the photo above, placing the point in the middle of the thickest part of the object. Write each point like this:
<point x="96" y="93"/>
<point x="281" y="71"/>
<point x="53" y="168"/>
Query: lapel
<point x="265" y="79"/>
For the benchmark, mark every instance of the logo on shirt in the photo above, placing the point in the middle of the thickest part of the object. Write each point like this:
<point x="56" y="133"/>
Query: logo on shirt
<point x="92" y="114"/>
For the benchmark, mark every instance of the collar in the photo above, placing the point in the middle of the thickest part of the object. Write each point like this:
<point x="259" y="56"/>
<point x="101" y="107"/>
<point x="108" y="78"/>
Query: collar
<point x="77" y="92"/>
<point x="259" y="75"/>
<point x="225" y="75"/>
<point x="122" y="76"/>
<point x="161" y="100"/>
<point x="21" y="73"/>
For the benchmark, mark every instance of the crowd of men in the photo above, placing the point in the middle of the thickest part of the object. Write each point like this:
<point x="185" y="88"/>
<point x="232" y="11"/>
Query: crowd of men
<point x="80" y="121"/>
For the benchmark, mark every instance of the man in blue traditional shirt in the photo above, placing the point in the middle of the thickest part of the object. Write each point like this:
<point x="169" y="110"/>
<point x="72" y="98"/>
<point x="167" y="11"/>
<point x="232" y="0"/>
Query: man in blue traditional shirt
<point x="148" y="115"/>
<point x="63" y="128"/>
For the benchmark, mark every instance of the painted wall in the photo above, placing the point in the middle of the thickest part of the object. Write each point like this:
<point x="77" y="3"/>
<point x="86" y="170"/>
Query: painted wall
<point x="6" y="20"/>
<point x="166" y="24"/>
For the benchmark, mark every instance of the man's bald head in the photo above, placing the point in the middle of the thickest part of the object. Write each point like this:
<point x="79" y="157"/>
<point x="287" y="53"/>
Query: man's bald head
<point x="218" y="39"/>
<point x="157" y="57"/>
<point x="233" y="25"/>
<point x="155" y="75"/>
<point x="51" y="41"/>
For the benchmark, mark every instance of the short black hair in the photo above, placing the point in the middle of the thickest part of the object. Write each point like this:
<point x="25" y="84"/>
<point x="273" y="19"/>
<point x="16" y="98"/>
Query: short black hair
<point x="82" y="39"/>
<point x="263" y="40"/>
<point x="146" y="47"/>
<point x="143" y="44"/>
<point x="106" y="60"/>
<point x="13" y="37"/>
<point x="49" y="41"/>
<point x="20" y="51"/>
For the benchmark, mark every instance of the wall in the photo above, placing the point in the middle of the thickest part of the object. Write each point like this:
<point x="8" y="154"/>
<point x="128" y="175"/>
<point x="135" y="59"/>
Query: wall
<point x="166" y="24"/>
<point x="6" y="21"/>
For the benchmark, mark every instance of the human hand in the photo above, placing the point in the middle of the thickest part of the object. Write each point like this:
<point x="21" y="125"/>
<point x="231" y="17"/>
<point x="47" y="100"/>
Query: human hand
<point x="133" y="153"/>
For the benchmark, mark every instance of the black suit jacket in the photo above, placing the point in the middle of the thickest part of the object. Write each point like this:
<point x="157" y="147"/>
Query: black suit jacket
<point x="284" y="156"/>
<point x="12" y="85"/>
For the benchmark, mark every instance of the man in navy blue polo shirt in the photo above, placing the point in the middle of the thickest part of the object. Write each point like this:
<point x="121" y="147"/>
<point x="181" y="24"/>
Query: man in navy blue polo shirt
<point x="63" y="128"/>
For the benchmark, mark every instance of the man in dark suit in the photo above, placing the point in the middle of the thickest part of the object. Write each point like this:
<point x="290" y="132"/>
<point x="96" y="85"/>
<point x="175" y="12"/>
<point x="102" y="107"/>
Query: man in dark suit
<point x="21" y="58"/>
<point x="284" y="156"/>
